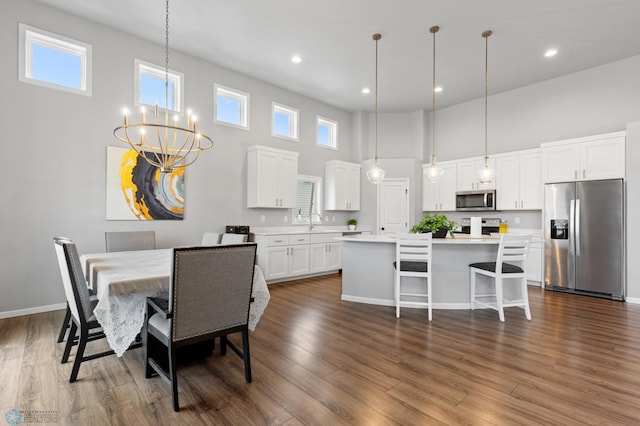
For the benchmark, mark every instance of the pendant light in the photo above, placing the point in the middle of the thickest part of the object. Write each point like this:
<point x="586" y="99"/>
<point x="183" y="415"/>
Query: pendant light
<point x="164" y="143"/>
<point x="486" y="174"/>
<point x="434" y="172"/>
<point x="376" y="174"/>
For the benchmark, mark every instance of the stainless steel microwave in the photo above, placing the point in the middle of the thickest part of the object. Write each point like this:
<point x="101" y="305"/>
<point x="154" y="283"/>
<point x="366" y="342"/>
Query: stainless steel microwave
<point x="469" y="201"/>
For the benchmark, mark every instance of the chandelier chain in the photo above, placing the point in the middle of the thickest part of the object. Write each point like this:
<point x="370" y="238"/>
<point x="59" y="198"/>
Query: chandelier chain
<point x="166" y="57"/>
<point x="486" y="35"/>
<point x="376" y="38"/>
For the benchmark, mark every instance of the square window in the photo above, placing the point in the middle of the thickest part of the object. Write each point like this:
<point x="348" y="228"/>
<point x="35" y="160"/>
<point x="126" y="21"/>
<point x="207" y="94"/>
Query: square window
<point x="54" y="61"/>
<point x="232" y="107"/>
<point x="285" y="122"/>
<point x="327" y="133"/>
<point x="151" y="83"/>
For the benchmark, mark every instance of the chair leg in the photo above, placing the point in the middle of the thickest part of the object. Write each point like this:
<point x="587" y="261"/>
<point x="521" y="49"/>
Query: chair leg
<point x="396" y="292"/>
<point x="70" y="339"/>
<point x="246" y="355"/>
<point x="223" y="345"/>
<point x="429" y="297"/>
<point x="499" y="298"/>
<point x="472" y="289"/>
<point x="65" y="324"/>
<point x="525" y="297"/>
<point x="174" y="377"/>
<point x="82" y="343"/>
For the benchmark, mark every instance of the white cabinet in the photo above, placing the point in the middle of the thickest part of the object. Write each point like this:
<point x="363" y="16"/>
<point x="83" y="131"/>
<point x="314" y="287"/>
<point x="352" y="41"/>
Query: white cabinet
<point x="440" y="196"/>
<point x="468" y="174"/>
<point x="325" y="252"/>
<point x="519" y="181"/>
<point x="341" y="186"/>
<point x="271" y="177"/>
<point x="283" y="256"/>
<point x="590" y="158"/>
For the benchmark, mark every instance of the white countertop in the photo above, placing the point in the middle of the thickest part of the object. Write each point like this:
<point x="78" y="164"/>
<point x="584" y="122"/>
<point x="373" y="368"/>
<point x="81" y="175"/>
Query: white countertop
<point x="303" y="229"/>
<point x="459" y="239"/>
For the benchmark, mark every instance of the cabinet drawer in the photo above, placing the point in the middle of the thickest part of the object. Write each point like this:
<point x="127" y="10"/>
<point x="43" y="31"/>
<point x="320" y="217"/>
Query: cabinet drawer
<point x="298" y="239"/>
<point x="277" y="240"/>
<point x="325" y="238"/>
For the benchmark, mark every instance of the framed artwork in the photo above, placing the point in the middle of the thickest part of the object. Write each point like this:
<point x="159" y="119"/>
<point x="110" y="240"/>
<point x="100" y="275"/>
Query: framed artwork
<point x="136" y="190"/>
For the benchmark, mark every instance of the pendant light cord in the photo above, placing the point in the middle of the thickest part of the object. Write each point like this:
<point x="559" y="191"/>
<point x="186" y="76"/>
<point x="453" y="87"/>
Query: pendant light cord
<point x="376" y="37"/>
<point x="486" y="35"/>
<point x="433" y="31"/>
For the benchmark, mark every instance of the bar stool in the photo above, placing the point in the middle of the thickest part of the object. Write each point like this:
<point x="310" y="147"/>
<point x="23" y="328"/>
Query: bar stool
<point x="510" y="264"/>
<point x="413" y="259"/>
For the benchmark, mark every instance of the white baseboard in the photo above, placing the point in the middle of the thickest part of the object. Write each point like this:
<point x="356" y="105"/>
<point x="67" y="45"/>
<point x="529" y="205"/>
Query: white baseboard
<point x="634" y="300"/>
<point x="385" y="302"/>
<point x="30" y="311"/>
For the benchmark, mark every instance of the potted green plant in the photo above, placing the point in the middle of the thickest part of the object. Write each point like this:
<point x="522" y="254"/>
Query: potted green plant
<point x="437" y="224"/>
<point x="352" y="224"/>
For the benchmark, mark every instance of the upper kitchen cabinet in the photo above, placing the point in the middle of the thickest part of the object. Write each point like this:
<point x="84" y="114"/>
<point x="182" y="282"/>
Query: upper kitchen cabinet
<point x="468" y="174"/>
<point x="519" y="181"/>
<point x="589" y="158"/>
<point x="440" y="196"/>
<point x="341" y="186"/>
<point x="271" y="177"/>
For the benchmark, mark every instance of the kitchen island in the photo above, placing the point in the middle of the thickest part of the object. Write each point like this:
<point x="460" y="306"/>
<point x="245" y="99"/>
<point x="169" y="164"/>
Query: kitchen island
<point x="367" y="268"/>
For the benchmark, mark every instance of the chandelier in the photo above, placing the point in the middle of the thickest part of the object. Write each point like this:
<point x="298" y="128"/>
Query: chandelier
<point x="486" y="174"/>
<point x="376" y="174"/>
<point x="434" y="172"/>
<point x="164" y="144"/>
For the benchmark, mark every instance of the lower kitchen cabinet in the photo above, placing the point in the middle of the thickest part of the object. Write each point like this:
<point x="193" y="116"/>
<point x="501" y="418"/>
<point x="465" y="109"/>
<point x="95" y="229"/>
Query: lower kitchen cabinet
<point x="288" y="256"/>
<point x="534" y="262"/>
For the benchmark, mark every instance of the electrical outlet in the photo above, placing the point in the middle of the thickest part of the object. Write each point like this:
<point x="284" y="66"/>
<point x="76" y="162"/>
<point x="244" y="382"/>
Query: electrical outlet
<point x="326" y="218"/>
<point x="333" y="218"/>
<point x="286" y="218"/>
<point x="517" y="220"/>
<point x="262" y="218"/>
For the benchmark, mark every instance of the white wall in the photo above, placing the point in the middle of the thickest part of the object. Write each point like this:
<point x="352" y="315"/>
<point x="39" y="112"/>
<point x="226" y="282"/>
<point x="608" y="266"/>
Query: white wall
<point x="54" y="146"/>
<point x="54" y="153"/>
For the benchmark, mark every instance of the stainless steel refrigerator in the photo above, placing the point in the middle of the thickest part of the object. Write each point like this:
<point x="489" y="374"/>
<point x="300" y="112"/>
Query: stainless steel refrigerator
<point x="584" y="238"/>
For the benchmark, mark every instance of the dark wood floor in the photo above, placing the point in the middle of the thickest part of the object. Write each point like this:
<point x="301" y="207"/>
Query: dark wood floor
<point x="318" y="360"/>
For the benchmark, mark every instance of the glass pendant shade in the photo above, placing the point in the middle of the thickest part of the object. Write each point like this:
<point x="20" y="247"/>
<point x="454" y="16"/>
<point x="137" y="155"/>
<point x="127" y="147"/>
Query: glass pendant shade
<point x="486" y="174"/>
<point x="434" y="173"/>
<point x="375" y="174"/>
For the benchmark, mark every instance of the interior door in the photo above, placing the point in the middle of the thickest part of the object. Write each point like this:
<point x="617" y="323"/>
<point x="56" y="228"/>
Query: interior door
<point x="394" y="206"/>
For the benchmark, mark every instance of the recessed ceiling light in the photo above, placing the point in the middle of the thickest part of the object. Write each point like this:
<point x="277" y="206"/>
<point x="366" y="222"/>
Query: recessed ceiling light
<point x="551" y="52"/>
<point x="366" y="90"/>
<point x="438" y="89"/>
<point x="296" y="59"/>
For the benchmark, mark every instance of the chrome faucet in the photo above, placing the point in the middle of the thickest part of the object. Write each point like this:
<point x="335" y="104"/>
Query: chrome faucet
<point x="311" y="220"/>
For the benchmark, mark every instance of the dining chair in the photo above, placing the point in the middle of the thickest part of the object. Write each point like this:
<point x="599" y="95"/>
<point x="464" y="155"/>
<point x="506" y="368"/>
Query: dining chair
<point x="233" y="238"/>
<point x="210" y="239"/>
<point x="130" y="240"/>
<point x="209" y="296"/>
<point x="413" y="259"/>
<point x="79" y="301"/>
<point x="510" y="264"/>
<point x="66" y="323"/>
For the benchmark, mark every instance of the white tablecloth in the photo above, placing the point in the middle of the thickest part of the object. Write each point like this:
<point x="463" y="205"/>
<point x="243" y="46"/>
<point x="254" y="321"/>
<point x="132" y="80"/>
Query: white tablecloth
<point x="123" y="281"/>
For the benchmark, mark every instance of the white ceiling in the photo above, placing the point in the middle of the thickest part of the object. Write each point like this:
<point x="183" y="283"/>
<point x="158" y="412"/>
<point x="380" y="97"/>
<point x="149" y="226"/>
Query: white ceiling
<point x="334" y="39"/>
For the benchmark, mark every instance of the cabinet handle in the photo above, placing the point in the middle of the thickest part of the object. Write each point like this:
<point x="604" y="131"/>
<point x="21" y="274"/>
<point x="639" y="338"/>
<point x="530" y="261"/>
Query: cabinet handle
<point x="521" y="204"/>
<point x="440" y="206"/>
<point x="516" y="204"/>
<point x="278" y="241"/>
<point x="584" y="173"/>
<point x="575" y="174"/>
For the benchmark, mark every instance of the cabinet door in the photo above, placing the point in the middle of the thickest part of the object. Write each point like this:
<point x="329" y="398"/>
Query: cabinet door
<point x="318" y="258"/>
<point x="602" y="159"/>
<point x="468" y="175"/>
<point x="267" y="192"/>
<point x="299" y="260"/>
<point x="531" y="187"/>
<point x="353" y="188"/>
<point x="508" y="183"/>
<point x="560" y="163"/>
<point x="333" y="256"/>
<point x="534" y="263"/>
<point x="430" y="195"/>
<point x="287" y="180"/>
<point x="448" y="185"/>
<point x="276" y="262"/>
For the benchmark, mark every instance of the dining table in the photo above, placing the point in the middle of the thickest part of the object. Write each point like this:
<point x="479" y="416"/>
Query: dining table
<point x="122" y="281"/>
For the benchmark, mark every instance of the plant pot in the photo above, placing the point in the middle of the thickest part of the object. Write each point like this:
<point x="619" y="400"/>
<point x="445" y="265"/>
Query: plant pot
<point x="440" y="233"/>
<point x="352" y="227"/>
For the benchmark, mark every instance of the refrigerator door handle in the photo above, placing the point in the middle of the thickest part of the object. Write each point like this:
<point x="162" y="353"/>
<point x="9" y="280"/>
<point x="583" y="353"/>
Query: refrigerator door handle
<point x="577" y="227"/>
<point x="572" y="212"/>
